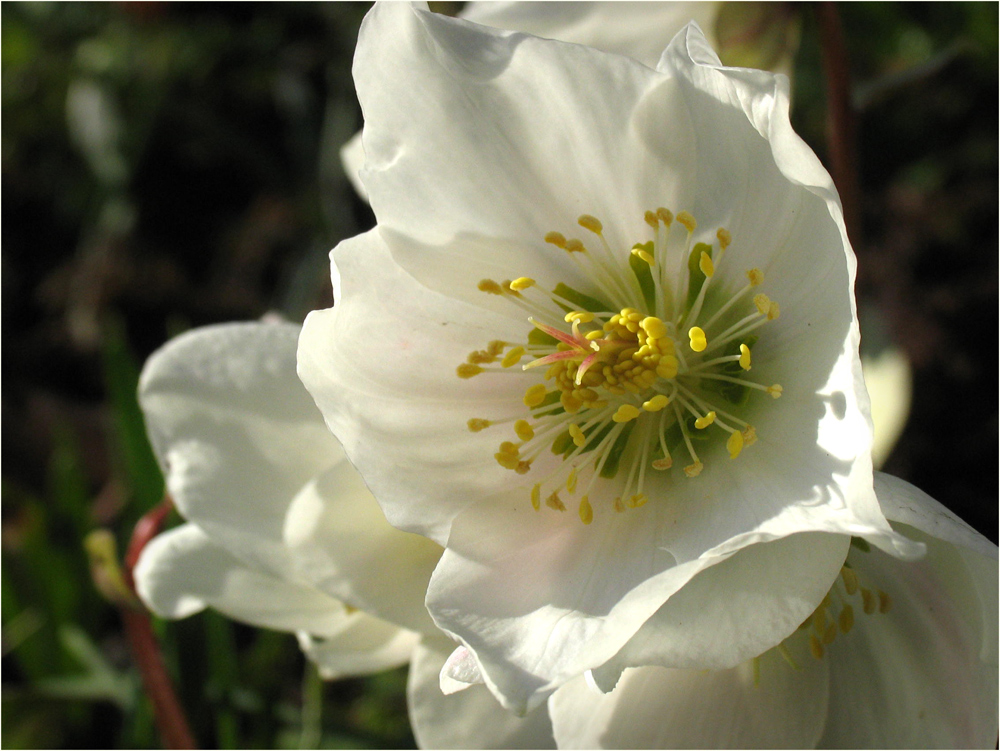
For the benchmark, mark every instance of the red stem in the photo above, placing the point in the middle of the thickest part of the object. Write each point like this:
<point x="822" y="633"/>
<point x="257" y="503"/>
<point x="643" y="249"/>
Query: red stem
<point x="167" y="712"/>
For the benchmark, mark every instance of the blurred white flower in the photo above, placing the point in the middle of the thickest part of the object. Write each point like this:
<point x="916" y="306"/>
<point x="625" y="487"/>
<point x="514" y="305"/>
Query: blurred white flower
<point x="900" y="655"/>
<point x="576" y="499"/>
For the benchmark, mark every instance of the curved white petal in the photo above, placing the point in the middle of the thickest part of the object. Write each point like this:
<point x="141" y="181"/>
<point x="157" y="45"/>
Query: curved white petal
<point x="924" y="674"/>
<point x="460" y="671"/>
<point x="889" y="381"/>
<point x="640" y="30"/>
<point x="340" y="541"/>
<point x="469" y="719"/>
<point x="180" y="572"/>
<point x="656" y="707"/>
<point x="361" y="645"/>
<point x="236" y="433"/>
<point x="352" y="157"/>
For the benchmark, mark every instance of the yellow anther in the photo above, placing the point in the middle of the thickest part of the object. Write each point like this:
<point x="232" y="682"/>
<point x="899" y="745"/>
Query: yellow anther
<point x="641" y="499"/>
<point x="574" y="246"/>
<point x="489" y="286"/>
<point x="706" y="265"/>
<point x="868" y="601"/>
<point x="735" y="444"/>
<point x="571" y="481"/>
<point x="524" y="430"/>
<point x="555" y="502"/>
<point x="846" y="618"/>
<point x="496" y="346"/>
<point x="724" y="238"/>
<point x="556" y="238"/>
<point x="773" y="311"/>
<point x="657" y="403"/>
<point x="763" y="303"/>
<point x="830" y="634"/>
<point x="523" y="467"/>
<point x="850" y="580"/>
<point x="744" y="357"/>
<point x="594" y="335"/>
<point x="570" y="403"/>
<point x="693" y="470"/>
<point x="667" y="367"/>
<point x="687" y="220"/>
<point x="579" y="315"/>
<point x="522" y="282"/>
<point x="625" y="413"/>
<point x="697" y="339"/>
<point x="509" y="448"/>
<point x="480" y="357"/>
<point x="884" y="602"/>
<point x="468" y="370"/>
<point x="507" y="461"/>
<point x="756" y="277"/>
<point x="513" y="357"/>
<point x="535" y="395"/>
<point x="477" y="423"/>
<point x="644" y="255"/>
<point x="577" y="435"/>
<point x="749" y="435"/>
<point x="651" y="219"/>
<point x="654" y="327"/>
<point x="703" y="422"/>
<point x="586" y="512"/>
<point x="590" y="222"/>
<point x="815" y="648"/>
<point x="618" y="505"/>
<point x="536" y="497"/>
<point x="664" y="463"/>
<point x="775" y="391"/>
<point x="666" y="216"/>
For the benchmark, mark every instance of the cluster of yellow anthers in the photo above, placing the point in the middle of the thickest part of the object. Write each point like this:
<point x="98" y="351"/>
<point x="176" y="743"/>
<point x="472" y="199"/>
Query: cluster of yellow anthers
<point x="617" y="383"/>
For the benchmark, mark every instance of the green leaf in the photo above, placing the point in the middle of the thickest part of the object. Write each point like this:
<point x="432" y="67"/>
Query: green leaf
<point x="584" y="302"/>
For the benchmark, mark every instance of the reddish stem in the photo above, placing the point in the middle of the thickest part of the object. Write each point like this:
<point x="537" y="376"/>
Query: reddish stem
<point x="842" y="132"/>
<point x="167" y="712"/>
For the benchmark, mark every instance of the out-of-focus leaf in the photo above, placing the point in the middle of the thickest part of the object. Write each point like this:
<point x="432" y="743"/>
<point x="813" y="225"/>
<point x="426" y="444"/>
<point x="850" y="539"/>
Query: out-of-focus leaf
<point x="100" y="682"/>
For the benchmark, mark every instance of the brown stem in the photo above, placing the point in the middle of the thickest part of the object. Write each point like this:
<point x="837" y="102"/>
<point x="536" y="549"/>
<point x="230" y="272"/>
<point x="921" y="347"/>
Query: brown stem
<point x="841" y="134"/>
<point x="167" y="712"/>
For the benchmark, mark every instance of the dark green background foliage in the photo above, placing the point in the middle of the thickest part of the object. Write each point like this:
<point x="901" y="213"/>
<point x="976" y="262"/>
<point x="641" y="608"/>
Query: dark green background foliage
<point x="172" y="165"/>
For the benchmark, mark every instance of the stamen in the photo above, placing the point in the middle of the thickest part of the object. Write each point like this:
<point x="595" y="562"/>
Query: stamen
<point x="697" y="339"/>
<point x="706" y="265"/>
<point x="744" y="357"/>
<point x="524" y="430"/>
<point x="703" y="422"/>
<point x="468" y="370"/>
<point x="476" y="424"/>
<point x="626" y="412"/>
<point x="522" y="283"/>
<point x="586" y="512"/>
<point x="735" y="444"/>
<point x="535" y="395"/>
<point x="513" y="357"/>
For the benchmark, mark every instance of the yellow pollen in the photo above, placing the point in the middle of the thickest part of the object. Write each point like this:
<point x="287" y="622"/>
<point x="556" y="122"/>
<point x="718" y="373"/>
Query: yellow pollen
<point x="490" y="287"/>
<point x="570" y="403"/>
<point x="693" y="470"/>
<point x="749" y="435"/>
<point x="735" y="444"/>
<point x="706" y="265"/>
<point x="850" y="580"/>
<point x="667" y="217"/>
<point x="480" y="357"/>
<point x="536" y="496"/>
<point x="775" y="391"/>
<point x="703" y="422"/>
<point x="578" y="315"/>
<point x="697" y="338"/>
<point x="556" y="238"/>
<point x="756" y="277"/>
<point x="638" y="500"/>
<point x="468" y="370"/>
<point x="523" y="467"/>
<point x="744" y="357"/>
<point x="763" y="303"/>
<point x="535" y="395"/>
<point x="724" y="238"/>
<point x="513" y="357"/>
<point x="644" y="255"/>
<point x="625" y="413"/>
<point x="594" y="335"/>
<point x="687" y="220"/>
<point x="664" y="463"/>
<point x="477" y="423"/>
<point x="522" y="282"/>
<point x="555" y="502"/>
<point x="590" y="222"/>
<point x="586" y="512"/>
<point x="651" y="219"/>
<point x="507" y="461"/>
<point x="524" y="430"/>
<point x="577" y="435"/>
<point x="574" y="246"/>
<point x="773" y="311"/>
<point x="657" y="403"/>
<point x="496" y="346"/>
<point x="654" y="327"/>
<point x="846" y="618"/>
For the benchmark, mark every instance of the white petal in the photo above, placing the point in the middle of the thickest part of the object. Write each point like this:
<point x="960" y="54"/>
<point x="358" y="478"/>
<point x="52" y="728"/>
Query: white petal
<point x="340" y="541"/>
<point x="889" y="381"/>
<point x="469" y="719"/>
<point x="236" y="433"/>
<point x="460" y="671"/>
<point x="352" y="157"/>
<point x="662" y="708"/>
<point x="639" y="30"/>
<point x="915" y="677"/>
<point x="361" y="645"/>
<point x="182" y="571"/>
<point x="736" y="610"/>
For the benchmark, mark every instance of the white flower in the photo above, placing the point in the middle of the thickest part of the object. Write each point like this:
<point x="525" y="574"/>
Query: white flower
<point x="639" y="30"/>
<point x="283" y="534"/>
<point x="529" y="191"/>
<point x="901" y="655"/>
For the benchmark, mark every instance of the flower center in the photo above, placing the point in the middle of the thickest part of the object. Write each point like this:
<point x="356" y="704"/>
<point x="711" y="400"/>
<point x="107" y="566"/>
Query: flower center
<point x="648" y="363"/>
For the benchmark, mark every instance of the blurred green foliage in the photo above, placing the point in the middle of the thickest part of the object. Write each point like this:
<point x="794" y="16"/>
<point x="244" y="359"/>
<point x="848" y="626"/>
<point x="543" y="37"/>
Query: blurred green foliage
<point x="170" y="165"/>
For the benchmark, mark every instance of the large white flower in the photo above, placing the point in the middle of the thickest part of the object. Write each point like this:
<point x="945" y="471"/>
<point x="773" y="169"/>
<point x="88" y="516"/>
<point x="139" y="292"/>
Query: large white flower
<point x="605" y="246"/>
<point x="900" y="655"/>
<point x="283" y="534"/>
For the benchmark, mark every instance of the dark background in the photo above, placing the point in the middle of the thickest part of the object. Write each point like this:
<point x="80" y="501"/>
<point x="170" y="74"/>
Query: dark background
<point x="172" y="165"/>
